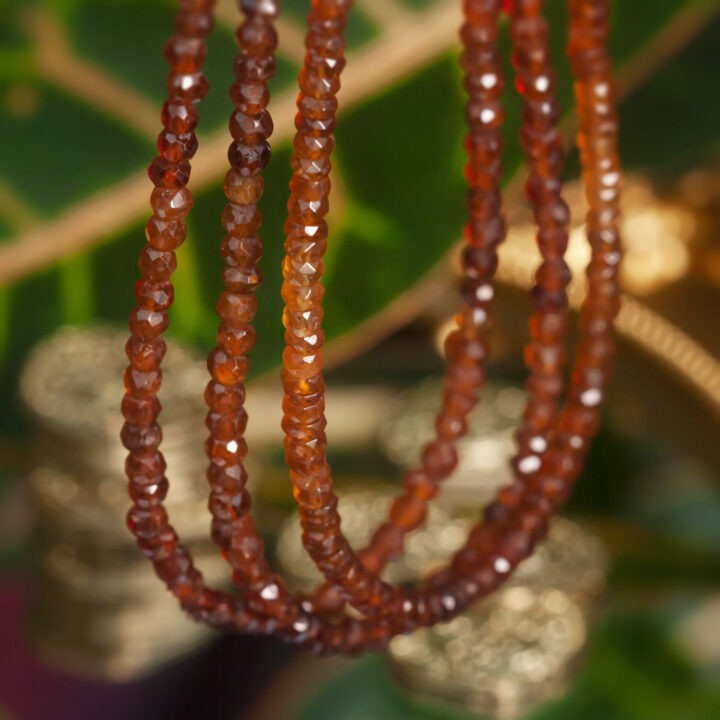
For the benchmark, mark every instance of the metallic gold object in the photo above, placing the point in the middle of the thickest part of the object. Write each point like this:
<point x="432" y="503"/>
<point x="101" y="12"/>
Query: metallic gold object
<point x="97" y="605"/>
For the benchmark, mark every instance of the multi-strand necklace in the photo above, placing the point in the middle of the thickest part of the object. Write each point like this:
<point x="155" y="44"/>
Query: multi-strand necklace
<point x="553" y="439"/>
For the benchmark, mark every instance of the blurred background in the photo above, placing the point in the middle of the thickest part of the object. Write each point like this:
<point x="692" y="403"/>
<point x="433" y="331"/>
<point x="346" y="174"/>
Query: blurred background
<point x="617" y="617"/>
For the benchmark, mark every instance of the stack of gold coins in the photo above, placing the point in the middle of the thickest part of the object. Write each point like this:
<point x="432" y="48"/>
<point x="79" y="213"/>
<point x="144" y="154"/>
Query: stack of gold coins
<point x="97" y="605"/>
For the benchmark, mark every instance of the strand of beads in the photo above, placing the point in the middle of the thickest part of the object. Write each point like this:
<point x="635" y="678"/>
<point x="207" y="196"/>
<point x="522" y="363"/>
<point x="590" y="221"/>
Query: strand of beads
<point x="470" y="576"/>
<point x="530" y="505"/>
<point x="542" y="144"/>
<point x="466" y="347"/>
<point x="171" y="201"/>
<point x="358" y="582"/>
<point x="250" y="126"/>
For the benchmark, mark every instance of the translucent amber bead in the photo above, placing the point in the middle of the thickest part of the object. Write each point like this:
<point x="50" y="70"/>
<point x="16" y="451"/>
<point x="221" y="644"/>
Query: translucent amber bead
<point x="439" y="458"/>
<point x="223" y="398"/>
<point x="176" y="147"/>
<point x="269" y="8"/>
<point x="249" y="158"/>
<point x="145" y="354"/>
<point x="178" y="117"/>
<point x="421" y="485"/>
<point x="236" y="309"/>
<point x="148" y="324"/>
<point x="163" y="235"/>
<point x="171" y="204"/>
<point x="138" y="438"/>
<point x="257" y="36"/>
<point x="194" y="24"/>
<point x="254" y="69"/>
<point x="166" y="174"/>
<point x="185" y="54"/>
<point x="148" y="496"/>
<point x="140" y="411"/>
<point x="154" y="296"/>
<point x="250" y="97"/>
<point x="226" y="369"/>
<point x="141" y="383"/>
<point x="241" y="280"/>
<point x="145" y="469"/>
<point x="188" y="87"/>
<point x="157" y="265"/>
<point x="241" y="220"/>
<point x="242" y="189"/>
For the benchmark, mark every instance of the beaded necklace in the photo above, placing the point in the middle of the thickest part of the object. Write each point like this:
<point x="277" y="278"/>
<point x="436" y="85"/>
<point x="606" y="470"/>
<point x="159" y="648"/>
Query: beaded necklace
<point x="552" y="440"/>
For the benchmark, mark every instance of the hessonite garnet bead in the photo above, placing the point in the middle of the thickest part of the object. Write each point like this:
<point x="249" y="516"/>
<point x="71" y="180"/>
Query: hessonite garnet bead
<point x="551" y="442"/>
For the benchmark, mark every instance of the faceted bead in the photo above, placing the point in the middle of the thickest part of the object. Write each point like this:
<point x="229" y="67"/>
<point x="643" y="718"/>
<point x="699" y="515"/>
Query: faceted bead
<point x="554" y="274"/>
<point x="241" y="220"/>
<point x="450" y="427"/>
<point x="139" y="438"/>
<point x="227" y="451"/>
<point x="194" y="24"/>
<point x="317" y="86"/>
<point x="171" y="204"/>
<point x="147" y="496"/>
<point x="145" y="469"/>
<point x="250" y="97"/>
<point x="302" y="272"/>
<point x="251" y="128"/>
<point x="156" y="265"/>
<point x="254" y="69"/>
<point x="228" y="506"/>
<point x="147" y="522"/>
<point x="241" y="280"/>
<point x="242" y="251"/>
<point x="313" y="230"/>
<point x="178" y="117"/>
<point x="302" y="364"/>
<point x="421" y="485"/>
<point x="148" y="324"/>
<point x="318" y="108"/>
<point x="315" y="125"/>
<point x="310" y="190"/>
<point x="187" y="87"/>
<point x="165" y="235"/>
<point x="242" y="189"/>
<point x="303" y="298"/>
<point x="269" y="8"/>
<point x="312" y="168"/>
<point x="461" y="377"/>
<point x="226" y="369"/>
<point x="439" y="458"/>
<point x="143" y="384"/>
<point x="154" y="296"/>
<point x="185" y="54"/>
<point x="460" y="348"/>
<point x="140" y="411"/>
<point x="145" y="354"/>
<point x="227" y="478"/>
<point x="256" y="36"/>
<point x="175" y="147"/>
<point x="249" y="158"/>
<point x="224" y="399"/>
<point x="479" y="262"/>
<point x="166" y="174"/>
<point x="236" y="309"/>
<point x="313" y="146"/>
